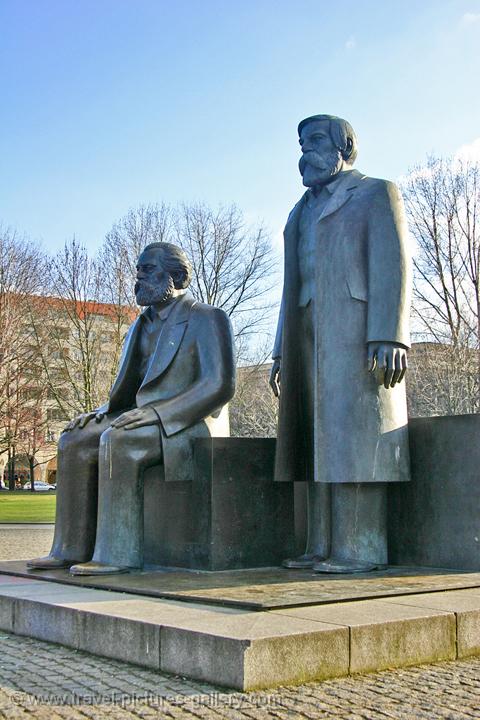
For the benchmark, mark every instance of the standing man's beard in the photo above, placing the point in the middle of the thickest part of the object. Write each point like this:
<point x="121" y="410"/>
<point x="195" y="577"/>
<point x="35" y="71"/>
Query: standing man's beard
<point x="152" y="293"/>
<point x="319" y="169"/>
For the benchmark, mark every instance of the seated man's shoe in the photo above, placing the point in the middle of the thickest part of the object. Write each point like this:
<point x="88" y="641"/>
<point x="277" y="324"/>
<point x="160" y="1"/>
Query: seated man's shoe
<point x="302" y="562"/>
<point x="333" y="565"/>
<point x="95" y="568"/>
<point x="49" y="562"/>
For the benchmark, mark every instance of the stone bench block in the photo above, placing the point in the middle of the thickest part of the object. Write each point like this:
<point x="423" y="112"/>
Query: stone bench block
<point x="434" y="520"/>
<point x="232" y="515"/>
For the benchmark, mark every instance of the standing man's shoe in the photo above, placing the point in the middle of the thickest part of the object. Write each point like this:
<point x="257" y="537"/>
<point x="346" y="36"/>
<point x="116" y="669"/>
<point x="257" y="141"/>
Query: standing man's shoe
<point x="49" y="562"/>
<point x="344" y="566"/>
<point x="94" y="568"/>
<point x="302" y="562"/>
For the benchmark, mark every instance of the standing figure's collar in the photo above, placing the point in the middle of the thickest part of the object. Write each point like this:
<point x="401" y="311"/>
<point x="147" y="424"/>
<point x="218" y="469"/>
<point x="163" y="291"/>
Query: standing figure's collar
<point x="331" y="186"/>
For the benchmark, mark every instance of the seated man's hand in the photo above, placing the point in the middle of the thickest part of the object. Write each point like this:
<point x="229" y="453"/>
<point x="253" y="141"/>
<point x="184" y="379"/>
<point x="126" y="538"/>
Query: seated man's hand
<point x="388" y="361"/>
<point x="83" y="419"/>
<point x="136" y="418"/>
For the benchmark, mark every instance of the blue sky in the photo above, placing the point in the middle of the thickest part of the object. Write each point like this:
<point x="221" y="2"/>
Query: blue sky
<point x="109" y="103"/>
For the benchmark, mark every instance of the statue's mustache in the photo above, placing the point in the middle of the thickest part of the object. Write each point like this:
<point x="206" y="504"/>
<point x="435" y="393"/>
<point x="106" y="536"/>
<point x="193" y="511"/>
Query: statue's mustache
<point x="326" y="163"/>
<point x="313" y="158"/>
<point x="145" y="285"/>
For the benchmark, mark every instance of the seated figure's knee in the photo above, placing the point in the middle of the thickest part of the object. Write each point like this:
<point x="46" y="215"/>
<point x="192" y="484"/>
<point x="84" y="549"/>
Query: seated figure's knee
<point x="137" y="444"/>
<point x="113" y="440"/>
<point x="108" y="436"/>
<point x="79" y="440"/>
<point x="68" y="440"/>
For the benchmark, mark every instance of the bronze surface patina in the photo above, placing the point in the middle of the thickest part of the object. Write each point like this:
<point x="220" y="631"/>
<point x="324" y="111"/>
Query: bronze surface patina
<point x="263" y="588"/>
<point x="341" y="351"/>
<point x="176" y="375"/>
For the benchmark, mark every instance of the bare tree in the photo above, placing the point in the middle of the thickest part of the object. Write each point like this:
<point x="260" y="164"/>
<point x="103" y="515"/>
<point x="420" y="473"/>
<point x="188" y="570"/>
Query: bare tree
<point x="117" y="261"/>
<point x="34" y="440"/>
<point x="442" y="380"/>
<point x="122" y="246"/>
<point x="443" y="208"/>
<point x="233" y="266"/>
<point x="75" y="334"/>
<point x="20" y="262"/>
<point x="254" y="409"/>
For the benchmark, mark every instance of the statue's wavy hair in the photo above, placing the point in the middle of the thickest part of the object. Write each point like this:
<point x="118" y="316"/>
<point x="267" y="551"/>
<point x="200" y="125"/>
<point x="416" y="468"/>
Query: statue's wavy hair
<point x="342" y="134"/>
<point x="175" y="262"/>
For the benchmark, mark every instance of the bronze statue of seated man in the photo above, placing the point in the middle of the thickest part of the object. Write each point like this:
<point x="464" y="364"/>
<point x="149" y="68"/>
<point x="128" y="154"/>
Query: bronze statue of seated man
<point x="176" y="375"/>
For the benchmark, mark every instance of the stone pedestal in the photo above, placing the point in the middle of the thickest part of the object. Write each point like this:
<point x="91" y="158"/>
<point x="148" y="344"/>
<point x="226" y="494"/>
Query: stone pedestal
<point x="232" y="515"/>
<point x="434" y="520"/>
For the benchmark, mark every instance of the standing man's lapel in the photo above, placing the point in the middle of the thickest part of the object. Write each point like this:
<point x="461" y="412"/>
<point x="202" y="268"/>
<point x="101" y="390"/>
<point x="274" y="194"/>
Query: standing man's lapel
<point x="342" y="193"/>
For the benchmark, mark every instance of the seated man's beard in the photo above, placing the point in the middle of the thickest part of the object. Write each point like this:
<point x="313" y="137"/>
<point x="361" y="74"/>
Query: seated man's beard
<point x="151" y="293"/>
<point x="323" y="166"/>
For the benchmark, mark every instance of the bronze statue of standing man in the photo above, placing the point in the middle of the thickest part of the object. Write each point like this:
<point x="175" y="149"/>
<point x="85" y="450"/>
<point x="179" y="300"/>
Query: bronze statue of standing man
<point x="340" y="353"/>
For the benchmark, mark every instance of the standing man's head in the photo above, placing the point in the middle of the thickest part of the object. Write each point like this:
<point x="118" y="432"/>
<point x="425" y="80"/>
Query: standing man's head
<point x="329" y="145"/>
<point x="163" y="273"/>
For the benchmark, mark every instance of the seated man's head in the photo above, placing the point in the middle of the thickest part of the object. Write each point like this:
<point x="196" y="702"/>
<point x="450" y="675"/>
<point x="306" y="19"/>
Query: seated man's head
<point x="163" y="272"/>
<point x="329" y="145"/>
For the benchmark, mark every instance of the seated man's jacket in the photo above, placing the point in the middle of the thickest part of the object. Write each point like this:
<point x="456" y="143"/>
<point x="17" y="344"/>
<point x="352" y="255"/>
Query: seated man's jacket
<point x="189" y="380"/>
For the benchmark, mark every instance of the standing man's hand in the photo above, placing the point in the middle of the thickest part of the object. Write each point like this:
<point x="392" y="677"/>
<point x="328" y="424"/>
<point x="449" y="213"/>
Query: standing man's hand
<point x="274" y="380"/>
<point x="388" y="361"/>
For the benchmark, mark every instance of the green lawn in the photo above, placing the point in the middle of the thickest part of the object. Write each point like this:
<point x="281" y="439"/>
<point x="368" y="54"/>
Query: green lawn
<point x="27" y="507"/>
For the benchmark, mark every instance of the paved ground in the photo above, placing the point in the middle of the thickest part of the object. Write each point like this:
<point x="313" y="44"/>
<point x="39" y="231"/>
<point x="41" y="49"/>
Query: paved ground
<point x="41" y="681"/>
<point x="28" y="526"/>
<point x="21" y="542"/>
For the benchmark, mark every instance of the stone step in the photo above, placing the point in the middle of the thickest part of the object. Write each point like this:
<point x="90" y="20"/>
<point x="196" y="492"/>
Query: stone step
<point x="245" y="649"/>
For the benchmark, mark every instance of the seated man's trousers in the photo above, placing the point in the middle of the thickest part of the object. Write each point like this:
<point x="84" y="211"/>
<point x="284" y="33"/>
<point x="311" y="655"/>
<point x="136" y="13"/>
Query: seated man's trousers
<point x="100" y="492"/>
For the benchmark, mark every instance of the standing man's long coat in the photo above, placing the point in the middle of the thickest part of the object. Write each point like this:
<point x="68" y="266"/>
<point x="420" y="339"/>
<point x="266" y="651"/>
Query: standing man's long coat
<point x="362" y="294"/>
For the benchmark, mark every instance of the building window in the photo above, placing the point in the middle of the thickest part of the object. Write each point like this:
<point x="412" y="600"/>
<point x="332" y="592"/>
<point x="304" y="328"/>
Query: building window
<point x="56" y="414"/>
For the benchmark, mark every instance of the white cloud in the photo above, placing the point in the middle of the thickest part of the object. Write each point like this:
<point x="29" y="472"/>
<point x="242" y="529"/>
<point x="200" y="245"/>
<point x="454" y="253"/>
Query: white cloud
<point x="351" y="43"/>
<point x="469" y="153"/>
<point x="470" y="18"/>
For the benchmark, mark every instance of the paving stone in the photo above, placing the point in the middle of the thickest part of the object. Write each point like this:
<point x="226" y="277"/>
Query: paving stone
<point x="387" y="634"/>
<point x="254" y="650"/>
<point x="244" y="649"/>
<point x="46" y="622"/>
<point x="466" y="606"/>
<point x="445" y="690"/>
<point x="6" y="614"/>
<point x="119" y="638"/>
